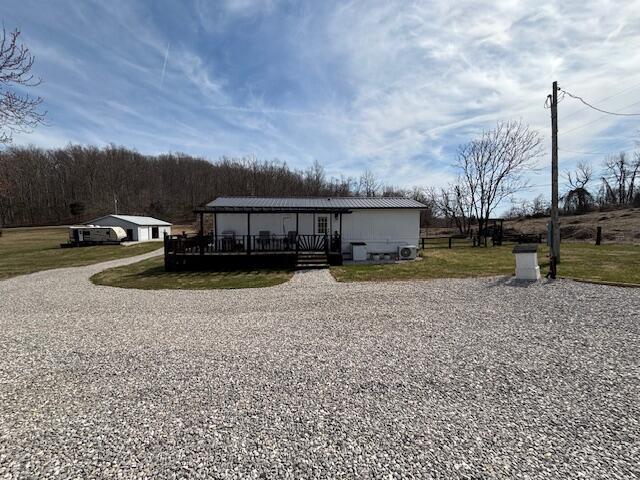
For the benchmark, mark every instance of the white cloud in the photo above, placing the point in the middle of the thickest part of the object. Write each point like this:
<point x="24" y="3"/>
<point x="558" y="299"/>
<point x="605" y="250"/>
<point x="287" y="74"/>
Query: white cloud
<point x="438" y="72"/>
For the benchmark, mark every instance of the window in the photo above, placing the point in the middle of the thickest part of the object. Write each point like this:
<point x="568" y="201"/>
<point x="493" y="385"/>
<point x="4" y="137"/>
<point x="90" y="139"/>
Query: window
<point x="154" y="232"/>
<point x="323" y="226"/>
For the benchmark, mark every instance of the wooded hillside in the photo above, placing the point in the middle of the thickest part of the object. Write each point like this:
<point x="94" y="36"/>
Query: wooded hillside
<point x="77" y="183"/>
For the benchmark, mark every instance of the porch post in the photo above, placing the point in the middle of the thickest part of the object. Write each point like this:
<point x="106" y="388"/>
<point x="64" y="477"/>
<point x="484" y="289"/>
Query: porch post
<point x="215" y="231"/>
<point x="340" y="238"/>
<point x="201" y="239"/>
<point x="314" y="223"/>
<point x="297" y="233"/>
<point x="248" y="246"/>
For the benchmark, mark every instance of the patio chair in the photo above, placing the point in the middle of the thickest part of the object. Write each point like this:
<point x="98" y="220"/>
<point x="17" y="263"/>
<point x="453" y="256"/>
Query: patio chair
<point x="264" y="239"/>
<point x="292" y="238"/>
<point x="228" y="241"/>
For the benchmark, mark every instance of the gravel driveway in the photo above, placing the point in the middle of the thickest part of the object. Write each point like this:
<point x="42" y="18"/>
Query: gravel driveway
<point x="441" y="379"/>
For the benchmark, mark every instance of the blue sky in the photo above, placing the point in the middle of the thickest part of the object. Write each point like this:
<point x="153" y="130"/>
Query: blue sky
<point x="392" y="87"/>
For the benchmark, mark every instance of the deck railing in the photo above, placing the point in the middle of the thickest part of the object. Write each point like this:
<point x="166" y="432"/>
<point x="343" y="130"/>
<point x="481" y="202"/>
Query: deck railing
<point x="194" y="244"/>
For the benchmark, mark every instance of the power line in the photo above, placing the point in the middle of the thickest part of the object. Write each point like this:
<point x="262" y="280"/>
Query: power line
<point x="594" y="153"/>
<point x="596" y="108"/>
<point x="595" y="121"/>
<point x="632" y="87"/>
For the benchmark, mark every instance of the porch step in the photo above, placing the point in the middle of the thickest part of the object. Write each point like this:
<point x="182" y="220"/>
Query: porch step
<point x="309" y="266"/>
<point x="312" y="260"/>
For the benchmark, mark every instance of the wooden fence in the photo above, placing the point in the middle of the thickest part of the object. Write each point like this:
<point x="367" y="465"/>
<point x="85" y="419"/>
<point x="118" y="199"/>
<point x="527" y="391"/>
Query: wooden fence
<point x="453" y="241"/>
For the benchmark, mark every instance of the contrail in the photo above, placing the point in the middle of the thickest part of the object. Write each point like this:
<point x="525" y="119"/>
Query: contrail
<point x="164" y="65"/>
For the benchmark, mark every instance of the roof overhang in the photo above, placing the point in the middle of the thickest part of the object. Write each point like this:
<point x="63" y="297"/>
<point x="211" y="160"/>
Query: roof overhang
<point x="207" y="209"/>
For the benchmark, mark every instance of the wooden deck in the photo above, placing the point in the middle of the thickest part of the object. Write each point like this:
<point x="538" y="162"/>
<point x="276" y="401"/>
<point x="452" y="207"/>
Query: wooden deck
<point x="195" y="251"/>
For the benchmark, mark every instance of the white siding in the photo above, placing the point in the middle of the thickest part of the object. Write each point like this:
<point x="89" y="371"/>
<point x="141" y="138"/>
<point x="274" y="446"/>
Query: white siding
<point x="235" y="222"/>
<point x="382" y="230"/>
<point x="143" y="234"/>
<point x="305" y="224"/>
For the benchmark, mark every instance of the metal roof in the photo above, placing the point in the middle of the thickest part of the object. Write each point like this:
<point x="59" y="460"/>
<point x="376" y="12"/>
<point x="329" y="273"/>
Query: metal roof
<point x="311" y="203"/>
<point x="135" y="219"/>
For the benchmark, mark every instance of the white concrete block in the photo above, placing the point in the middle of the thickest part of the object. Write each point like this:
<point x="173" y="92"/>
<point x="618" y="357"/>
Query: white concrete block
<point x="527" y="263"/>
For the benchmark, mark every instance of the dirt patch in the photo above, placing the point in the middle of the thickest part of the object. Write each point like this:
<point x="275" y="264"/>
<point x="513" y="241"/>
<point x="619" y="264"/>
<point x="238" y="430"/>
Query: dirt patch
<point x="621" y="226"/>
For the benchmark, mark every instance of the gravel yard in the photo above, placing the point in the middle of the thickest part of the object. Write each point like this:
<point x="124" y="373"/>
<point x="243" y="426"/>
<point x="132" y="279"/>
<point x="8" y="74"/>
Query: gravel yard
<point x="438" y="379"/>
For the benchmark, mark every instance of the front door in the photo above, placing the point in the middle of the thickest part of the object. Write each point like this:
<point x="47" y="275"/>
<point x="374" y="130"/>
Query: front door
<point x="322" y="225"/>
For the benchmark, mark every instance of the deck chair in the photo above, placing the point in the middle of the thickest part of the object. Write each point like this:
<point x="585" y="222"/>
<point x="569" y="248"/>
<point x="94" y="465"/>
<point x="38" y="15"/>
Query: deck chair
<point x="264" y="239"/>
<point x="292" y="238"/>
<point x="228" y="241"/>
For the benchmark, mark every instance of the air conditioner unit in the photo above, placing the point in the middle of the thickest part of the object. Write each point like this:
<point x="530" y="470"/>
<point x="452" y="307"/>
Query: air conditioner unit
<point x="407" y="252"/>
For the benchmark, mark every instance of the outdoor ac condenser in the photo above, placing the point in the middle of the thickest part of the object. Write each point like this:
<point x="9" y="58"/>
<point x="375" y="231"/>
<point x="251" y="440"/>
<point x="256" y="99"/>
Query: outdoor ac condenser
<point x="407" y="252"/>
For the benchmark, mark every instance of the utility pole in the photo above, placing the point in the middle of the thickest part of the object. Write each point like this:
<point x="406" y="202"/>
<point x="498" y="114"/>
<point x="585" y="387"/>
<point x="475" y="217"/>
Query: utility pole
<point x="555" y="223"/>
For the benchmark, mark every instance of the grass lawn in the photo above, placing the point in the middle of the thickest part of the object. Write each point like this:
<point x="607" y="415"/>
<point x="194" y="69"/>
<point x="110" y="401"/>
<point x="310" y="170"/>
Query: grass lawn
<point x="150" y="275"/>
<point x="609" y="263"/>
<point x="26" y="250"/>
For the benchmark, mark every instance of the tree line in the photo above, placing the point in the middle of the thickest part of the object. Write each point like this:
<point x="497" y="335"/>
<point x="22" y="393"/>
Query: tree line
<point x="78" y="183"/>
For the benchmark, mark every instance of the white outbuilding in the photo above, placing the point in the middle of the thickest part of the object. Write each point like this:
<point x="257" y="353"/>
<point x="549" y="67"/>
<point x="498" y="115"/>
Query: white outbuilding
<point x="138" y="228"/>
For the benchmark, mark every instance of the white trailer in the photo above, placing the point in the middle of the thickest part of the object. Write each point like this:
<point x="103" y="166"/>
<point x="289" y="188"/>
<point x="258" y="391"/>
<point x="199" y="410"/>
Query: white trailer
<point x="96" y="235"/>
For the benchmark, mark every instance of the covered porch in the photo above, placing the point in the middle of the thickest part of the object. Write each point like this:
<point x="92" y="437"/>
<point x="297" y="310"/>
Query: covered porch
<point x="262" y="236"/>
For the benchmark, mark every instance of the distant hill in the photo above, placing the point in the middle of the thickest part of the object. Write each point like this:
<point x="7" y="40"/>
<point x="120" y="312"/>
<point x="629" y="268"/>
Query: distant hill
<point x="620" y="226"/>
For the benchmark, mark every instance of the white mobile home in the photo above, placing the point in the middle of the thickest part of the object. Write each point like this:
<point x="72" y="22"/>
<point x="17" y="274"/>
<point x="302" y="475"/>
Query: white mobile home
<point x="382" y="223"/>
<point x="301" y="229"/>
<point x="138" y="228"/>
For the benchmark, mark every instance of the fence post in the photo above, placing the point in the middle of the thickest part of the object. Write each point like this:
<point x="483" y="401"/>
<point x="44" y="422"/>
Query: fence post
<point x="166" y="254"/>
<point x="422" y="243"/>
<point x="449" y="242"/>
<point x="598" y="235"/>
<point x="248" y="245"/>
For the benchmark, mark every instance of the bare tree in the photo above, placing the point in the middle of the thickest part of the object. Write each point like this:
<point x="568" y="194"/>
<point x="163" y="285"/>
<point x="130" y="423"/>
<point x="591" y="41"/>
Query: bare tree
<point x="492" y="166"/>
<point x="315" y="178"/>
<point x="578" y="198"/>
<point x="454" y="204"/>
<point x="369" y="185"/>
<point x="521" y="208"/>
<point x="539" y="206"/>
<point x="619" y="181"/>
<point x="18" y="112"/>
